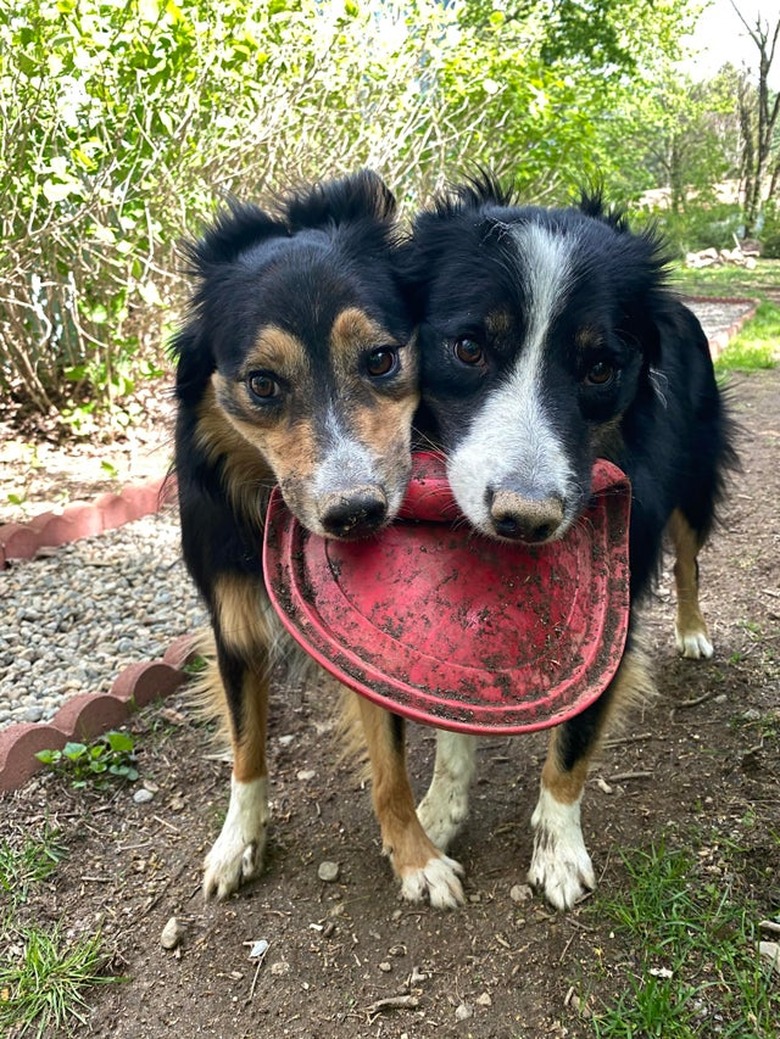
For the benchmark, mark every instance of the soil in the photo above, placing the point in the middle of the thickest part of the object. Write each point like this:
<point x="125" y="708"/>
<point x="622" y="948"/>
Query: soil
<point x="42" y="466"/>
<point x="697" y="769"/>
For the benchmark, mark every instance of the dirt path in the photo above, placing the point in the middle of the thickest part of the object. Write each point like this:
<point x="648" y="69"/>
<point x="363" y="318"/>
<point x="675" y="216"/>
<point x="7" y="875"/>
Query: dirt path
<point x="698" y="770"/>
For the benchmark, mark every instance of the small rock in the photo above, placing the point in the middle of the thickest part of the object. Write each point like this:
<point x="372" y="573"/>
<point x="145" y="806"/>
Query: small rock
<point x="258" y="949"/>
<point x="286" y="740"/>
<point x="143" y="796"/>
<point x="328" y="871"/>
<point x="306" y="774"/>
<point x="771" y="952"/>
<point x="385" y="967"/>
<point x="280" y="968"/>
<point x="463" y="1012"/>
<point x="172" y="934"/>
<point x="521" y="892"/>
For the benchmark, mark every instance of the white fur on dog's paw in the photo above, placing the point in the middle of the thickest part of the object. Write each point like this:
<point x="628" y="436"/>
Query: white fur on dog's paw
<point x="438" y="881"/>
<point x="237" y="854"/>
<point x="694" y="645"/>
<point x="560" y="866"/>
<point x="442" y="813"/>
<point x="445" y="807"/>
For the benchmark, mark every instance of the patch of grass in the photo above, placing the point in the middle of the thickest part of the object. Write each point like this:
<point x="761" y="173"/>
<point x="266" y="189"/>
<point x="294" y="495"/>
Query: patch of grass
<point x="756" y="345"/>
<point x="735" y="282"/>
<point x="695" y="968"/>
<point x="111" y="757"/>
<point x="43" y="981"/>
<point x="27" y="863"/>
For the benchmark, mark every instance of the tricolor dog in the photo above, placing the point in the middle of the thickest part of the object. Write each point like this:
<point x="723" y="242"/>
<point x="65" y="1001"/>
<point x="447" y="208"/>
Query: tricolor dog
<point x="549" y="338"/>
<point x="296" y="368"/>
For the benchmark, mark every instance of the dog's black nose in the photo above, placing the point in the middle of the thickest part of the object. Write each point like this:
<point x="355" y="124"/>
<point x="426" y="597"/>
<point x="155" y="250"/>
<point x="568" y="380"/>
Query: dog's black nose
<point x="516" y="518"/>
<point x="354" y="514"/>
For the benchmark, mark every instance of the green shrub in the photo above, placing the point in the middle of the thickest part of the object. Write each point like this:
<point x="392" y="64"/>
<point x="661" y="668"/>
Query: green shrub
<point x="121" y="125"/>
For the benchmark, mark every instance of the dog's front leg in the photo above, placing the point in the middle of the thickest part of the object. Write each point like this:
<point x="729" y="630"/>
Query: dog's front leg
<point x="424" y="871"/>
<point x="561" y="865"/>
<point x="445" y="807"/>
<point x="237" y="854"/>
<point x="243" y="642"/>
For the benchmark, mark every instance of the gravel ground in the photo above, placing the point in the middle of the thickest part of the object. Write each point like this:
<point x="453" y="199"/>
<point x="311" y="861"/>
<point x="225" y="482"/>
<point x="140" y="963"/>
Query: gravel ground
<point x="73" y="619"/>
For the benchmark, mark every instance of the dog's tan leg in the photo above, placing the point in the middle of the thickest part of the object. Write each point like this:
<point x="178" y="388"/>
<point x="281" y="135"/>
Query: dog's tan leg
<point x="561" y="866"/>
<point x="693" y="639"/>
<point x="243" y="643"/>
<point x="422" y="869"/>
<point x="445" y="807"/>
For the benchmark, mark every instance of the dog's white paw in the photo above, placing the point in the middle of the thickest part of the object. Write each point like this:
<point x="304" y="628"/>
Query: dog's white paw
<point x="694" y="645"/>
<point x="560" y="866"/>
<point x="237" y="854"/>
<point x="438" y="881"/>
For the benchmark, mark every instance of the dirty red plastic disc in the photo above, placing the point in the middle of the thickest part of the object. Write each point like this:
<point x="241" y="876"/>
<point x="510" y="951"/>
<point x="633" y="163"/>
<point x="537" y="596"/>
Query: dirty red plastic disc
<point x="452" y="629"/>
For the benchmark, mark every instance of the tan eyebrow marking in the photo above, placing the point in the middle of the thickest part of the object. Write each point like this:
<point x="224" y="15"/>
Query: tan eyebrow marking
<point x="588" y="338"/>
<point x="277" y="350"/>
<point x="353" y="329"/>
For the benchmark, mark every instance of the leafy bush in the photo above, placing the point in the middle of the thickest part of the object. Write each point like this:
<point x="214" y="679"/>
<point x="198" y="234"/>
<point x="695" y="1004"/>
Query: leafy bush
<point x="121" y="125"/>
<point x="700" y="227"/>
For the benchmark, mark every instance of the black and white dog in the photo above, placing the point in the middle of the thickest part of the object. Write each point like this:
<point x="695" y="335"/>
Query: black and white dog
<point x="550" y="338"/>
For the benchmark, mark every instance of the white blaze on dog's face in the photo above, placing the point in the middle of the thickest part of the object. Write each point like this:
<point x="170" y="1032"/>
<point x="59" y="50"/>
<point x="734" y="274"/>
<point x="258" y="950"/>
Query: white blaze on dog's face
<point x="512" y="445"/>
<point x="524" y="368"/>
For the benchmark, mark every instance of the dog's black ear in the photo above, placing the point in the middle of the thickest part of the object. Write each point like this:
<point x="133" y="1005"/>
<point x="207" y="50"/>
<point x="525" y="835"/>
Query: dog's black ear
<point x="195" y="362"/>
<point x="233" y="231"/>
<point x="413" y="274"/>
<point x="358" y="196"/>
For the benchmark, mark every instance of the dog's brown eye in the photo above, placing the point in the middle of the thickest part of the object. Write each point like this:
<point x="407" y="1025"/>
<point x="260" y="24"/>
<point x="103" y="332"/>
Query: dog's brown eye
<point x="468" y="351"/>
<point x="381" y="361"/>
<point x="600" y="374"/>
<point x="263" y="386"/>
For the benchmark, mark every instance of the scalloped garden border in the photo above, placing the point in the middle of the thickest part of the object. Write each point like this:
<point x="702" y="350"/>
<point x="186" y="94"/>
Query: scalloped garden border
<point x="720" y="339"/>
<point x="87" y="715"/>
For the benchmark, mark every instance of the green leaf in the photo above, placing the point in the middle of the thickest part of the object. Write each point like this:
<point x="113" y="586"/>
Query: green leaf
<point x="74" y="751"/>
<point x="120" y="741"/>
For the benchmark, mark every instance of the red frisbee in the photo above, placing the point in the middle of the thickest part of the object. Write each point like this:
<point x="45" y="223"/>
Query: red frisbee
<point x="449" y="628"/>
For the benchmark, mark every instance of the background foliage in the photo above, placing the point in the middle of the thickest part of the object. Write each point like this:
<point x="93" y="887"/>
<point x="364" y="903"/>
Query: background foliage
<point x="122" y="125"/>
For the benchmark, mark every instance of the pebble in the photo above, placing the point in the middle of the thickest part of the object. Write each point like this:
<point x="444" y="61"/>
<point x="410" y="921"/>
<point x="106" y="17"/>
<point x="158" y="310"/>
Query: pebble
<point x="771" y="953"/>
<point x="143" y="796"/>
<point x="172" y="933"/>
<point x="328" y="871"/>
<point x="521" y="892"/>
<point x="74" y="618"/>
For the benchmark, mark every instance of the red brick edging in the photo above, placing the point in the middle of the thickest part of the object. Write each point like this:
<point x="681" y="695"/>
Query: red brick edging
<point x="721" y="339"/>
<point x="87" y="715"/>
<point x="82" y="519"/>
